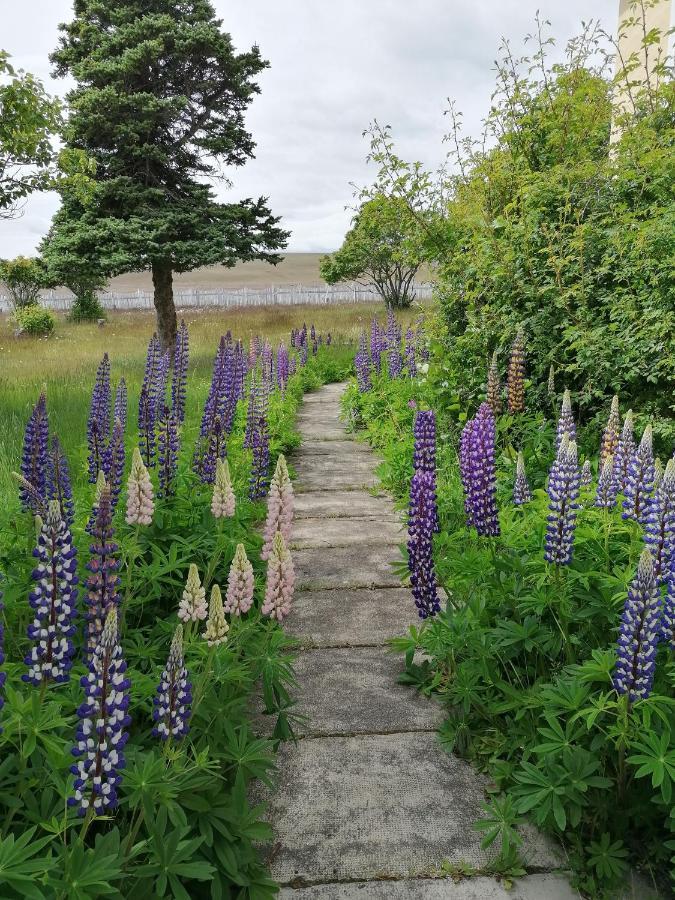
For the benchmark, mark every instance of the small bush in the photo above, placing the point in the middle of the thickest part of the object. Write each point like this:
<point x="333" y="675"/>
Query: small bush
<point x="35" y="320"/>
<point x="86" y="308"/>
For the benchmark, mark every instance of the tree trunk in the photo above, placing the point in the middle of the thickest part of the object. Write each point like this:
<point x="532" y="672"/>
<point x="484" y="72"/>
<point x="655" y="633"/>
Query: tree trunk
<point x="162" y="281"/>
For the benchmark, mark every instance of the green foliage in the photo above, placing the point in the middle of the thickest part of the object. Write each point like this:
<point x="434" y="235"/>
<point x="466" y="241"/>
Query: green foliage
<point x="86" y="306"/>
<point x="379" y="249"/>
<point x="23" y="278"/>
<point x="35" y="320"/>
<point x="522" y="656"/>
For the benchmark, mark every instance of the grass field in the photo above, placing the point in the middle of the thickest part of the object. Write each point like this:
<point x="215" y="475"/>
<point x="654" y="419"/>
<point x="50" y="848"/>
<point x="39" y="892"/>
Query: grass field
<point x="65" y="365"/>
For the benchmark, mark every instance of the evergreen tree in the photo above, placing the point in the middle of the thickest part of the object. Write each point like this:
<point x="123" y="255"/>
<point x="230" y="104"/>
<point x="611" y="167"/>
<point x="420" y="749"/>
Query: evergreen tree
<point x="159" y="105"/>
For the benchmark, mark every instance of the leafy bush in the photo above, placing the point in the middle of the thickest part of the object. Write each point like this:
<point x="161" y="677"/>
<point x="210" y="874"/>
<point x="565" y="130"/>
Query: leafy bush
<point x="34" y="319"/>
<point x="23" y="278"/>
<point x="86" y="306"/>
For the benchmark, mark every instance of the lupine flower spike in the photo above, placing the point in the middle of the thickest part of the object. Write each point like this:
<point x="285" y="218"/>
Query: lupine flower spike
<point x="639" y="634"/>
<point x="659" y="523"/>
<point x="515" y="382"/>
<point x="216" y="630"/>
<point x="550" y="386"/>
<point x="222" y="501"/>
<point x="173" y="700"/>
<point x="121" y="405"/>
<point x="639" y="479"/>
<point x="192" y="607"/>
<point x="566" y="424"/>
<point x="98" y="424"/>
<point x="103" y="581"/>
<point x="605" y="496"/>
<point x="101" y="733"/>
<point x="280" y="502"/>
<point x="140" y="496"/>
<point x="280" y="581"/>
<point x="623" y="454"/>
<point x="477" y="469"/>
<point x="239" y="597"/>
<point x="34" y="458"/>
<point x="58" y="481"/>
<point x="521" y="488"/>
<point x="610" y="436"/>
<point x="494" y="387"/>
<point x="586" y="474"/>
<point x="54" y="602"/>
<point x="101" y="483"/>
<point x="168" y="444"/>
<point x="563" y="492"/>
<point x="422" y="518"/>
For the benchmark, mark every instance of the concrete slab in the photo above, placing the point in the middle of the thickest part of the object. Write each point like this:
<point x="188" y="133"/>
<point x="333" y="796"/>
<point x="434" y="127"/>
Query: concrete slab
<point x="350" y="690"/>
<point x="532" y="887"/>
<point x="325" y="431"/>
<point x="319" y="465"/>
<point x="336" y="449"/>
<point x="336" y="481"/>
<point x="346" y="567"/>
<point x="343" y="504"/>
<point x="351" y="617"/>
<point x="342" y="533"/>
<point x="378" y="806"/>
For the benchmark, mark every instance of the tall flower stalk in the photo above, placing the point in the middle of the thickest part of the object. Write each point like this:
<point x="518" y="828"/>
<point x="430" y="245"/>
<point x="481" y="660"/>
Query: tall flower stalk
<point x="494" y="387"/>
<point x="181" y="359"/>
<point x="521" y="488"/>
<point x="222" y="500"/>
<point x="659" y="522"/>
<point x="639" y="481"/>
<point x="610" y="436"/>
<point x="280" y="581"/>
<point x="563" y="492"/>
<point x="625" y="449"/>
<point x="477" y="469"/>
<point x="422" y="519"/>
<point x="240" y="584"/>
<point x="103" y="581"/>
<point x="515" y="381"/>
<point x="566" y="424"/>
<point x="168" y="446"/>
<point x="639" y="634"/>
<point x="605" y="495"/>
<point x="192" y="607"/>
<point x="58" y="482"/>
<point x="173" y="700"/>
<point x="34" y="458"/>
<point x="140" y="494"/>
<point x="280" y="501"/>
<point x="98" y="423"/>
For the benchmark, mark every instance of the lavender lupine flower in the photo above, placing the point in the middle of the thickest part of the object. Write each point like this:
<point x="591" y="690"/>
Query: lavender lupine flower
<point x="494" y="387"/>
<point x="424" y="430"/>
<point x="610" y="436"/>
<point x="668" y="618"/>
<point x="218" y="411"/>
<point x="639" y="480"/>
<point x="54" y="601"/>
<point x="280" y="581"/>
<point x="58" y="481"/>
<point x="521" y="488"/>
<point x="292" y="364"/>
<point x="625" y="450"/>
<point x="605" y="495"/>
<point x="477" y="467"/>
<point x="303" y="355"/>
<point x="410" y="352"/>
<point x="222" y="500"/>
<point x="113" y="462"/>
<point x="101" y="733"/>
<point x="34" y="458"/>
<point x="659" y="524"/>
<point x="216" y="630"/>
<point x="362" y="365"/>
<point x="103" y="581"/>
<point x="422" y="518"/>
<point x="258" y="482"/>
<point x="239" y="597"/>
<point x="566" y="424"/>
<point x="550" y="385"/>
<point x="376" y="346"/>
<point x="181" y="358"/>
<point x="282" y="367"/>
<point x="167" y="452"/>
<point x="280" y="502"/>
<point x="563" y="491"/>
<point x="140" y="494"/>
<point x="586" y="474"/>
<point x="192" y="606"/>
<point x="395" y="361"/>
<point x="515" y="381"/>
<point x="639" y="634"/>
<point x="121" y="404"/>
<point x="98" y="424"/>
<point x="173" y="700"/>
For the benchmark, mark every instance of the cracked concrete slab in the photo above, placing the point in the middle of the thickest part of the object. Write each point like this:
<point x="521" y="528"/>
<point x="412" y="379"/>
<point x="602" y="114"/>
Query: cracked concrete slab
<point x="348" y="690"/>
<point x="379" y="806"/>
<point x="338" y="532"/>
<point x="344" y="504"/>
<point x="366" y="566"/>
<point x="351" y="617"/>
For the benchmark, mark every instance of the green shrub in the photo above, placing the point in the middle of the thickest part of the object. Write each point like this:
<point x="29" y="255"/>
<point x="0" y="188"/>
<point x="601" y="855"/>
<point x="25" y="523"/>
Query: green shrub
<point x="34" y="320"/>
<point x="86" y="307"/>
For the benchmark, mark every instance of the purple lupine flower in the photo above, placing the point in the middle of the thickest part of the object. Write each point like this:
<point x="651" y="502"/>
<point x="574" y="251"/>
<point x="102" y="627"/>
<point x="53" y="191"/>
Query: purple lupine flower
<point x="659" y="524"/>
<point x="3" y="675"/>
<point x="282" y="367"/>
<point x="103" y="581"/>
<point x="259" y="480"/>
<point x="668" y="618"/>
<point x="251" y="412"/>
<point x="605" y="496"/>
<point x="586" y="474"/>
<point x="54" y="602"/>
<point x="292" y="364"/>
<point x="101" y="733"/>
<point x="424" y="450"/>
<point x="113" y="462"/>
<point x="98" y="424"/>
<point x="303" y="355"/>
<point x="422" y="518"/>
<point x="146" y="426"/>
<point x="58" y="483"/>
<point x="362" y="366"/>
<point x="521" y="488"/>
<point x="218" y="412"/>
<point x="515" y="380"/>
<point x="410" y="361"/>
<point x="121" y="404"/>
<point x="167" y="452"/>
<point x="639" y="634"/>
<point x="216" y="448"/>
<point x="395" y="360"/>
<point x="625" y="449"/>
<point x="493" y="394"/>
<point x="376" y="345"/>
<point x="173" y="700"/>
<point x="34" y="458"/>
<point x="181" y="358"/>
<point x="563" y="492"/>
<point x="477" y="467"/>
<point x="566" y="424"/>
<point x="639" y="480"/>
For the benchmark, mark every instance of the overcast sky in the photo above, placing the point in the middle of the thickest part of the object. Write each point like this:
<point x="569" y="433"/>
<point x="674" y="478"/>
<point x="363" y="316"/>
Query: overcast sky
<point x="334" y="68"/>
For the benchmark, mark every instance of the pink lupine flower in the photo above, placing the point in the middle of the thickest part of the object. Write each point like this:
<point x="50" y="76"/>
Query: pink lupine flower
<point x="216" y="624"/>
<point x="140" y="502"/>
<point x="239" y="597"/>
<point x="280" y="581"/>
<point x="279" y="507"/>
<point x="222" y="502"/>
<point x="192" y="606"/>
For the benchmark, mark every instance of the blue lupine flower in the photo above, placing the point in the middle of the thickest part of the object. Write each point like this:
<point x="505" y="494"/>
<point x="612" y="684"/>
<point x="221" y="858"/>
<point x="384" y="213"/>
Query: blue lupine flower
<point x="181" y="358"/>
<point x="167" y="452"/>
<point x="566" y="424"/>
<point x="639" y="482"/>
<point x="659" y="522"/>
<point x="586" y="474"/>
<point x="98" y="423"/>
<point x="477" y="469"/>
<point x="623" y="454"/>
<point x="172" y="703"/>
<point x="58" y="481"/>
<point x="103" y="581"/>
<point x="563" y="491"/>
<point x="121" y="407"/>
<point x="422" y="517"/>
<point x="639" y="634"/>
<point x="362" y="365"/>
<point x="605" y="495"/>
<point x="521" y="488"/>
<point x="34" y="458"/>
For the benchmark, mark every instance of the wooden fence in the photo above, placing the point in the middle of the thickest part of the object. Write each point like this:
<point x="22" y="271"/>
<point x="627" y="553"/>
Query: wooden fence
<point x="286" y="295"/>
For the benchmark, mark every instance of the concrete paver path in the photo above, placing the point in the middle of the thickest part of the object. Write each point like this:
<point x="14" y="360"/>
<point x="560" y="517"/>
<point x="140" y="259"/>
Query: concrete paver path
<point x="368" y="805"/>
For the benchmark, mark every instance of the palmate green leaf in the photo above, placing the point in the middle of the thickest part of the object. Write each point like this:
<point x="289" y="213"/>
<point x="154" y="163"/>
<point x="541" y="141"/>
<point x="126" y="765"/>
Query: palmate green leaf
<point x="608" y="858"/>
<point x="655" y="758"/>
<point x="90" y="872"/>
<point x="19" y="869"/>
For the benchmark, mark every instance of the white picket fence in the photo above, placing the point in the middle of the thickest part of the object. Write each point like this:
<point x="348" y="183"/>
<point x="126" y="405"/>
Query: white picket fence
<point x="286" y="295"/>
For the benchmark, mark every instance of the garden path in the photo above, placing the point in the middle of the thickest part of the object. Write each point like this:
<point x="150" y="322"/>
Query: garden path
<point x="368" y="805"/>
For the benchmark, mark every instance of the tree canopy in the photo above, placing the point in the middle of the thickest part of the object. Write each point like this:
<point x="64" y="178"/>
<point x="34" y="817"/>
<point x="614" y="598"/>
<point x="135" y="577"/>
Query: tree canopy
<point x="159" y="104"/>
